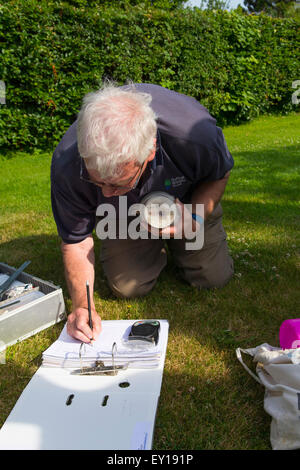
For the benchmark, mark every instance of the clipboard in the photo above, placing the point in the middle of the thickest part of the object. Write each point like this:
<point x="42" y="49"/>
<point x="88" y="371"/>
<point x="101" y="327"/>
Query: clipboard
<point x="58" y="410"/>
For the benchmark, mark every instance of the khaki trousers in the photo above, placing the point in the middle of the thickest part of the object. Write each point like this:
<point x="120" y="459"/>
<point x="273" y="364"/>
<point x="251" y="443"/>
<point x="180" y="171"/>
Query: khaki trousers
<point x="133" y="266"/>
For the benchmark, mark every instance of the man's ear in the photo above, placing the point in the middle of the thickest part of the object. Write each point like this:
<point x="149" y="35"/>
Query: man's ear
<point x="152" y="155"/>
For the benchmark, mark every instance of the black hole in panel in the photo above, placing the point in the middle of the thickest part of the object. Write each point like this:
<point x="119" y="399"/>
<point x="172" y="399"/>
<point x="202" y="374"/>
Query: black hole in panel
<point x="69" y="399"/>
<point x="104" y="402"/>
<point x="124" y="384"/>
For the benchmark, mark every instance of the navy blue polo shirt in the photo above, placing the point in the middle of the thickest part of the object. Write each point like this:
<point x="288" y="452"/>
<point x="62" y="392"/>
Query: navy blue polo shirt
<point x="190" y="149"/>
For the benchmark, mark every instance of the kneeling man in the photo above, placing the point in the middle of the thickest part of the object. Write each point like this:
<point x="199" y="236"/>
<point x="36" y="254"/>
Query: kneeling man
<point x="130" y="141"/>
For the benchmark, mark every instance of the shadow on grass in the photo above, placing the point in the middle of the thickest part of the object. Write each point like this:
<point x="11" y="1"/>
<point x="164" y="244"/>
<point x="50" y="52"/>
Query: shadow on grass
<point x="271" y="171"/>
<point x="261" y="214"/>
<point x="198" y="413"/>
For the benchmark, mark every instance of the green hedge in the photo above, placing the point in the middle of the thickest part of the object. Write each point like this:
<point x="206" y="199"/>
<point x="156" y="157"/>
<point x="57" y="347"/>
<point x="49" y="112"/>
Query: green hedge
<point x="52" y="53"/>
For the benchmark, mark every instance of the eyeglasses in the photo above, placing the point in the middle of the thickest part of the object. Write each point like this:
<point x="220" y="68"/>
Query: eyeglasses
<point x="137" y="176"/>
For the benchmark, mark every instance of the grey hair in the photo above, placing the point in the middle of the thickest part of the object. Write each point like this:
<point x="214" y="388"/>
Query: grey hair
<point x="115" y="126"/>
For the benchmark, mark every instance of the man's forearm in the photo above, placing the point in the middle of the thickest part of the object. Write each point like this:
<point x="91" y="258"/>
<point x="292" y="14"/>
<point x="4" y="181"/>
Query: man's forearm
<point x="79" y="262"/>
<point x="209" y="194"/>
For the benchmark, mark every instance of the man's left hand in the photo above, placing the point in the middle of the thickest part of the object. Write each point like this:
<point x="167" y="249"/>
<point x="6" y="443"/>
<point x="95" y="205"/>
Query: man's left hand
<point x="185" y="227"/>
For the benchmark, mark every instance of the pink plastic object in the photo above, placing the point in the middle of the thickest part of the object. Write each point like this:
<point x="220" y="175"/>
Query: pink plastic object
<point x="289" y="334"/>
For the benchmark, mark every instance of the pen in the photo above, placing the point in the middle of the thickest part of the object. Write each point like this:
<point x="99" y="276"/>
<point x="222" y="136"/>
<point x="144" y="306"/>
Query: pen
<point x="89" y="304"/>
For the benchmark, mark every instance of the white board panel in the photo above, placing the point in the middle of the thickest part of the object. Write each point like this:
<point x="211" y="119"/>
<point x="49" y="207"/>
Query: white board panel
<point x="62" y="411"/>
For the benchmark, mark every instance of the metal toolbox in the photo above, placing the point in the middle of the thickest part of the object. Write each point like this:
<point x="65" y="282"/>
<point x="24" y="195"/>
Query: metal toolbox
<point x="32" y="317"/>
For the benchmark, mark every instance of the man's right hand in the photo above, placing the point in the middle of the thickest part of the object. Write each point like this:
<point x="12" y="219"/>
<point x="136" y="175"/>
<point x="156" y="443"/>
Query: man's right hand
<point x="78" y="325"/>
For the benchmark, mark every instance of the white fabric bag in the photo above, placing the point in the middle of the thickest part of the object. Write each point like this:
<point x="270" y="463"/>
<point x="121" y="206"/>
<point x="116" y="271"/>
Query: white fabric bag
<point x="279" y="372"/>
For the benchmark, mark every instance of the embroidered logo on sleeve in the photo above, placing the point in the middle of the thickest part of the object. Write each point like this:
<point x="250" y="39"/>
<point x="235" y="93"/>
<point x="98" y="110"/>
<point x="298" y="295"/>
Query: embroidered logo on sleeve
<point x="175" y="182"/>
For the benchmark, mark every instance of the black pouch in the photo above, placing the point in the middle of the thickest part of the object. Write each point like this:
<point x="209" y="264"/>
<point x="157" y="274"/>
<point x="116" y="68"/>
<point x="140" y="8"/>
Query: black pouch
<point x="145" y="330"/>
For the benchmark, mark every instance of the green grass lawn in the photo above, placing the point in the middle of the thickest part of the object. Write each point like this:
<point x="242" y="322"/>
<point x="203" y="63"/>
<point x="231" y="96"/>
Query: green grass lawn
<point x="208" y="401"/>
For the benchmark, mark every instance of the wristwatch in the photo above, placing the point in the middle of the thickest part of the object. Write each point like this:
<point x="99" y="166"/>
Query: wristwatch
<point x="198" y="218"/>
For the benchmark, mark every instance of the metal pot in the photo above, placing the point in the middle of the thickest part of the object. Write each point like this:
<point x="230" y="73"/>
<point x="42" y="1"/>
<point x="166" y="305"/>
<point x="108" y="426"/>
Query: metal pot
<point x="160" y="210"/>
